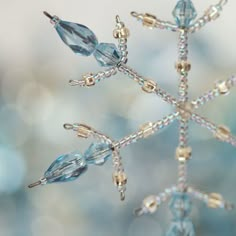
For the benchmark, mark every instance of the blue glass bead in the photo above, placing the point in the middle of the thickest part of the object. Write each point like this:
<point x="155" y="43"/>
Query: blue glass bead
<point x="66" y="168"/>
<point x="78" y="37"/>
<point x="181" y="228"/>
<point x="107" y="54"/>
<point x="98" y="153"/>
<point x="184" y="13"/>
<point x="180" y="206"/>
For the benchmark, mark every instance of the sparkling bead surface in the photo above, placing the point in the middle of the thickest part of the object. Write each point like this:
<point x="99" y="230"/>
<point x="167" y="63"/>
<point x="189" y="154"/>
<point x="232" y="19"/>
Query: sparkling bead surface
<point x="215" y="200"/>
<point x="149" y="20"/>
<point x="122" y="33"/>
<point x="119" y="179"/>
<point x="183" y="66"/>
<point x="78" y="37"/>
<point x="147" y="129"/>
<point x="107" y="54"/>
<point x="185" y="110"/>
<point x="180" y="206"/>
<point x="83" y="131"/>
<point x="223" y="133"/>
<point x="184" y="12"/>
<point x="66" y="168"/>
<point x="149" y="86"/>
<point x="98" y="153"/>
<point x="89" y="80"/>
<point x="183" y="153"/>
<point x="223" y="87"/>
<point x="181" y="228"/>
<point x="150" y="203"/>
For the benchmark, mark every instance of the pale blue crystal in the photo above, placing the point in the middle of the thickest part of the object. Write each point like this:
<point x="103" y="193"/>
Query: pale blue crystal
<point x="66" y="168"/>
<point x="180" y="206"/>
<point x="184" y="13"/>
<point x="78" y="37"/>
<point x="181" y="228"/>
<point x="98" y="153"/>
<point x="107" y="54"/>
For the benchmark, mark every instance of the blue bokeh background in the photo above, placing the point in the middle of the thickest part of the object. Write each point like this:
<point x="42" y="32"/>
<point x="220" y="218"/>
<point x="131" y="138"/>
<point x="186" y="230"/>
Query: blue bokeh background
<point x="35" y="101"/>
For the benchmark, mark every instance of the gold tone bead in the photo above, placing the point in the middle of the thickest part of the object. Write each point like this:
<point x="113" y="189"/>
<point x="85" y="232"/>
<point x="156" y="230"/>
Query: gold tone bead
<point x="149" y="20"/>
<point x="183" y="66"/>
<point x="150" y="203"/>
<point x="83" y="131"/>
<point x="222" y="87"/>
<point x="185" y="110"/>
<point x="149" y="86"/>
<point x="212" y="13"/>
<point x="183" y="153"/>
<point x="215" y="200"/>
<point x="147" y="129"/>
<point x="119" y="179"/>
<point x="121" y="33"/>
<point x="223" y="133"/>
<point x="89" y="80"/>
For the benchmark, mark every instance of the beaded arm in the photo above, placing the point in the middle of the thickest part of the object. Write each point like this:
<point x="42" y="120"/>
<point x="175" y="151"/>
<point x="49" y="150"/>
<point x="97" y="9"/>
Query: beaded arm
<point x="84" y="42"/>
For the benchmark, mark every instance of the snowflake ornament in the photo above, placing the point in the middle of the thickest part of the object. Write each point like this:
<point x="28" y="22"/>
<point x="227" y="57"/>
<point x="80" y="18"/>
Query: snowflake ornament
<point x="70" y="166"/>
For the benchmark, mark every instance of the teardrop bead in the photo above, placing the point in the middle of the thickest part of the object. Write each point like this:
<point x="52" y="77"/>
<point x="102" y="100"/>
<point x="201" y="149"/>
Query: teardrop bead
<point x="66" y="168"/>
<point x="184" y="13"/>
<point x="78" y="37"/>
<point x="107" y="54"/>
<point x="98" y="153"/>
<point x="181" y="228"/>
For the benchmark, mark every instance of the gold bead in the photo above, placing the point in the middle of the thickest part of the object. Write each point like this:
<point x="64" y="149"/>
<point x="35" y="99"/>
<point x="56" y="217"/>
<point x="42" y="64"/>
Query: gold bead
<point x="149" y="86"/>
<point x="89" y="80"/>
<point x="185" y="110"/>
<point x="119" y="178"/>
<point x="183" y="66"/>
<point x="222" y="133"/>
<point x="121" y="33"/>
<point x="222" y="87"/>
<point x="83" y="131"/>
<point x="150" y="203"/>
<point x="183" y="153"/>
<point x="215" y="200"/>
<point x="149" y="20"/>
<point x="147" y="129"/>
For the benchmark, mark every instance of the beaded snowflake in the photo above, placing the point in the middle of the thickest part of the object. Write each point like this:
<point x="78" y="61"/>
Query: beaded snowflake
<point x="70" y="166"/>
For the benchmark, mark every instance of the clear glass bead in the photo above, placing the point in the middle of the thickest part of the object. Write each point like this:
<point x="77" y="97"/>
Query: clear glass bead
<point x="78" y="37"/>
<point x="184" y="13"/>
<point x="66" y="168"/>
<point x="98" y="153"/>
<point x="181" y="228"/>
<point x="180" y="206"/>
<point x="107" y="54"/>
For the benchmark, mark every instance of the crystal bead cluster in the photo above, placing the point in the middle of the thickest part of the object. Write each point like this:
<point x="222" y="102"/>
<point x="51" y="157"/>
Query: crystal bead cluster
<point x="83" y="42"/>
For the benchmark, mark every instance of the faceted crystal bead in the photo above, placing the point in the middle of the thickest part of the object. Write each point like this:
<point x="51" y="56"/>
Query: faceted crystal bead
<point x="184" y="13"/>
<point x="98" y="153"/>
<point x="180" y="206"/>
<point x="181" y="228"/>
<point x="107" y="54"/>
<point x="66" y="168"/>
<point x="78" y="37"/>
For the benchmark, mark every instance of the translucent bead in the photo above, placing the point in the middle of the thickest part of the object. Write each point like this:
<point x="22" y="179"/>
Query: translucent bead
<point x="183" y="153"/>
<point x="150" y="204"/>
<point x="215" y="200"/>
<point x="119" y="179"/>
<point x="222" y="87"/>
<point x="222" y="133"/>
<point x="66" y="168"/>
<point x="181" y="228"/>
<point x="147" y="129"/>
<point x="184" y="13"/>
<point x="98" y="153"/>
<point x="180" y="206"/>
<point x="107" y="54"/>
<point x="78" y="37"/>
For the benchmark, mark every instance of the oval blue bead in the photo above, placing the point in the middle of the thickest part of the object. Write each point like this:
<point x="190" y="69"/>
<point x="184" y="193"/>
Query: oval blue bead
<point x="184" y="13"/>
<point x="66" y="168"/>
<point x="181" y="228"/>
<point x="78" y="37"/>
<point x="98" y="153"/>
<point x="180" y="206"/>
<point x="107" y="54"/>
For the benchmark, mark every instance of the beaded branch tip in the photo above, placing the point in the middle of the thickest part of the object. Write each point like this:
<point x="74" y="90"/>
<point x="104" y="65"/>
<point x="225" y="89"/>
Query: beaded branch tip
<point x="82" y="41"/>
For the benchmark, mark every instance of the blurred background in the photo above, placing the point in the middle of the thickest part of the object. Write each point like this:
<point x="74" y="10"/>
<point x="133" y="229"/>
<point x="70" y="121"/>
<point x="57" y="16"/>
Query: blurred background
<point x="36" y="100"/>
